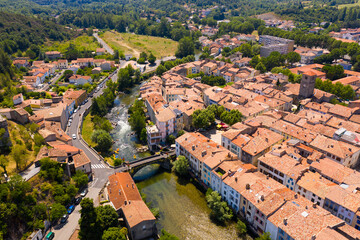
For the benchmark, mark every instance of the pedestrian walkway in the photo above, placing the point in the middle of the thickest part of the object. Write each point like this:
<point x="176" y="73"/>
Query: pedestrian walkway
<point x="98" y="166"/>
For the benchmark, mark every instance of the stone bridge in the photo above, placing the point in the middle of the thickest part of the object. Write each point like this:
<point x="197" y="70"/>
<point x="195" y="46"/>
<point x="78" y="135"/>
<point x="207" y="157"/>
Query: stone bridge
<point x="162" y="159"/>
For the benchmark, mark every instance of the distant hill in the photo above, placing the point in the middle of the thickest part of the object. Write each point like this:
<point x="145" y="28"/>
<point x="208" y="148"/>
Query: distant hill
<point x="19" y="32"/>
<point x="26" y="7"/>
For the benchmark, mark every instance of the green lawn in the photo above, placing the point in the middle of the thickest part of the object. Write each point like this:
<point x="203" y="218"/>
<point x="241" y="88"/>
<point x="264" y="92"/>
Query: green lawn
<point x="87" y="130"/>
<point x="129" y="43"/>
<point x="83" y="42"/>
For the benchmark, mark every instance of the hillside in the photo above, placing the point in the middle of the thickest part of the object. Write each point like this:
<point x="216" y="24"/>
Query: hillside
<point x="128" y="43"/>
<point x="19" y="32"/>
<point x="26" y="7"/>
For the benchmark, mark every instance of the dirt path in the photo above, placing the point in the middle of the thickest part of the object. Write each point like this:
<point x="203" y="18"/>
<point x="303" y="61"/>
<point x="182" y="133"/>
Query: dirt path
<point x="120" y="41"/>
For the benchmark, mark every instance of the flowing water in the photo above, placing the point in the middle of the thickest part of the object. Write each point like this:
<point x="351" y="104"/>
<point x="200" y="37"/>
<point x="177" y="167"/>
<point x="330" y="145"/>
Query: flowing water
<point x="183" y="209"/>
<point x="121" y="134"/>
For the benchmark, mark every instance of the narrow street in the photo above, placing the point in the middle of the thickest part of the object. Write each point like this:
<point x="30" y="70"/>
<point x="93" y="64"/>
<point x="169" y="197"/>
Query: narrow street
<point x="104" y="44"/>
<point x="100" y="171"/>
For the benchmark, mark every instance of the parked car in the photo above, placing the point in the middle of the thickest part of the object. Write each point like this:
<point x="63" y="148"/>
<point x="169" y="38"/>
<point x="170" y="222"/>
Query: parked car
<point x="69" y="124"/>
<point x="84" y="192"/>
<point x="50" y="236"/>
<point x="64" y="218"/>
<point x="77" y="200"/>
<point x="70" y="209"/>
<point x="74" y="136"/>
<point x="75" y="110"/>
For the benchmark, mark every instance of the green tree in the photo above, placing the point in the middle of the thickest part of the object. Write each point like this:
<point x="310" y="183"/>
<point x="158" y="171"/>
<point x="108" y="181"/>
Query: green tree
<point x="68" y="74"/>
<point x="180" y="133"/>
<point x="334" y="72"/>
<point x="4" y="162"/>
<point x="241" y="228"/>
<point x="106" y="217"/>
<point x="80" y="179"/>
<point x="39" y="140"/>
<point x="114" y="233"/>
<point x="137" y="120"/>
<point x="71" y="190"/>
<point x="186" y="47"/>
<point x="181" y="166"/>
<point x="51" y="170"/>
<point x="151" y="58"/>
<point x="57" y="211"/>
<point x="143" y="55"/>
<point x="264" y="236"/>
<point x="102" y="139"/>
<point x="167" y="236"/>
<point x="220" y="211"/>
<point x="71" y="52"/>
<point x="246" y="50"/>
<point x="160" y="70"/>
<point x="293" y="57"/>
<point x="19" y="155"/>
<point x="141" y="61"/>
<point x="124" y="79"/>
<point x="169" y="64"/>
<point x="143" y="136"/>
<point x="261" y="67"/>
<point x="89" y="226"/>
<point x="170" y="139"/>
<point x="254" y="61"/>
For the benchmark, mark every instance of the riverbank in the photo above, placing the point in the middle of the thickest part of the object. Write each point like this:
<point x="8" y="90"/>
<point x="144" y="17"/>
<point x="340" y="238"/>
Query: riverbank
<point x="182" y="206"/>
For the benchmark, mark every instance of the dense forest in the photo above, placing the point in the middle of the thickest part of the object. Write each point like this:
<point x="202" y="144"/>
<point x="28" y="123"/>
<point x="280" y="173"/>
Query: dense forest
<point x="347" y="16"/>
<point x="19" y="32"/>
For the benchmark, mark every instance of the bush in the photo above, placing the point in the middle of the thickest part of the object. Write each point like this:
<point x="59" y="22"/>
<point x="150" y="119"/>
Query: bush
<point x="181" y="166"/>
<point x="220" y="211"/>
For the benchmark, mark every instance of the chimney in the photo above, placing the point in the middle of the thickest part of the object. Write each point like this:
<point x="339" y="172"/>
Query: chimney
<point x="285" y="221"/>
<point x="247" y="186"/>
<point x="133" y="185"/>
<point x="236" y="179"/>
<point x="314" y="205"/>
<point x="296" y="196"/>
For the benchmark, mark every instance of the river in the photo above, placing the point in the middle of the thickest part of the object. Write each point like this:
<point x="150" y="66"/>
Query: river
<point x="183" y="209"/>
<point x="121" y="133"/>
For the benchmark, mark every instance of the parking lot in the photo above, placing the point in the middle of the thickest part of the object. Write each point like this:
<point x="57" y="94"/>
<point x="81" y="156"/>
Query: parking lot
<point x="214" y="135"/>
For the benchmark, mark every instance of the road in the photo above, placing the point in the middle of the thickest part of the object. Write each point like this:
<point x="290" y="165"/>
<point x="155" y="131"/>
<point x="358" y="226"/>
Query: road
<point x="104" y="44"/>
<point x="52" y="81"/>
<point x="100" y="170"/>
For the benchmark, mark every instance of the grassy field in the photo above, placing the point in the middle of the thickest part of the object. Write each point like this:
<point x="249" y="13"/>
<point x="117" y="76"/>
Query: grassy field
<point x="17" y="133"/>
<point x="87" y="130"/>
<point x="135" y="44"/>
<point x="84" y="42"/>
<point x="349" y="5"/>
